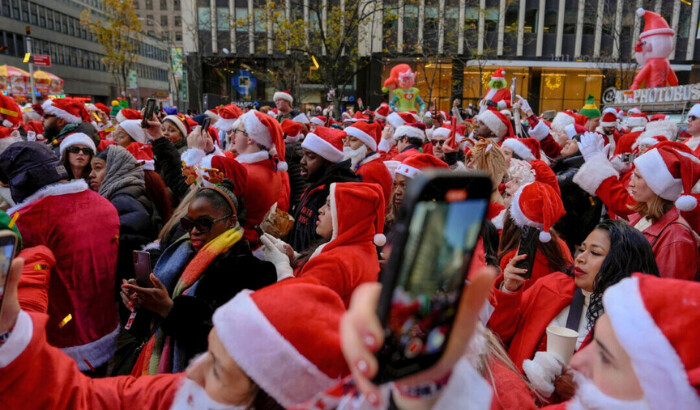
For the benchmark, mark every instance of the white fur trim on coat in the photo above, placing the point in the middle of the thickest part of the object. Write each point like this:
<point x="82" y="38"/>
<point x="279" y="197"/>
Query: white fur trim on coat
<point x="254" y="157"/>
<point x="77" y="139"/>
<point x="193" y="156"/>
<point x="519" y="149"/>
<point x="322" y="147"/>
<point x="18" y="341"/>
<point x="661" y="372"/>
<point x="59" y="188"/>
<point x="362" y="136"/>
<point x="539" y="131"/>
<point x="257" y="131"/>
<point x="596" y="170"/>
<point x="256" y="346"/>
<point x="49" y="108"/>
<point x="385" y="145"/>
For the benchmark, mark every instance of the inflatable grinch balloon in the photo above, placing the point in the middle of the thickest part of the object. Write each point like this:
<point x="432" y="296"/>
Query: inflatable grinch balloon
<point x="498" y="94"/>
<point x="404" y="96"/>
<point x="652" y="50"/>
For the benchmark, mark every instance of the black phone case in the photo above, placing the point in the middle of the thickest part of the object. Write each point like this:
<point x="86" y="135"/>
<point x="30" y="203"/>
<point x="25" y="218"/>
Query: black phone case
<point x="529" y="240"/>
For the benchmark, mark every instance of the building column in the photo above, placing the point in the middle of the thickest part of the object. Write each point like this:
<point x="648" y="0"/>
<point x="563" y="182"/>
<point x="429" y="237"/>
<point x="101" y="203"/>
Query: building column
<point x="521" y="28"/>
<point x="190" y="27"/>
<point x="637" y="24"/>
<point x="540" y="28"/>
<point x="501" y="27"/>
<point x="675" y="18"/>
<point x="421" y="22"/>
<point x="399" y="28"/>
<point x="560" y="28"/>
<point x="251" y="28"/>
<point x="617" y="31"/>
<point x="324" y="23"/>
<point x="212" y="18"/>
<point x="579" y="28"/>
<point x="233" y="27"/>
<point x="693" y="30"/>
<point x="268" y="17"/>
<point x="460" y="27"/>
<point x="441" y="26"/>
<point x="306" y="23"/>
<point x="287" y="17"/>
<point x="598" y="28"/>
<point x="482" y="28"/>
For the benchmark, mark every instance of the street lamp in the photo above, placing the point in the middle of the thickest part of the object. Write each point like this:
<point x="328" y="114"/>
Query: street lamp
<point x="172" y="81"/>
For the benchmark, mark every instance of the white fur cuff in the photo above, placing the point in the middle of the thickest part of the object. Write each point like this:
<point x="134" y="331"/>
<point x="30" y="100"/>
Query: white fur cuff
<point x="540" y="131"/>
<point x="596" y="170"/>
<point x="193" y="156"/>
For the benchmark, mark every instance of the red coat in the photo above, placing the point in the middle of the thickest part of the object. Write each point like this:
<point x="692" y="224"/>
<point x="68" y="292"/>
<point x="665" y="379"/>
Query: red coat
<point x="509" y="388"/>
<point x="64" y="217"/>
<point x="520" y="319"/>
<point x="372" y="169"/>
<point x="541" y="266"/>
<point x="43" y="377"/>
<point x="406" y="153"/>
<point x="33" y="292"/>
<point x="657" y="72"/>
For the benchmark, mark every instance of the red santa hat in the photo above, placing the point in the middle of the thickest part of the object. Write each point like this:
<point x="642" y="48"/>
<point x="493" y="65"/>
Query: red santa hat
<point x="382" y="111"/>
<point x="291" y="129"/>
<point x="655" y="320"/>
<point x="326" y="142"/>
<point x="441" y="132"/>
<point x="128" y="114"/>
<point x="360" y="203"/>
<point x="499" y="74"/>
<point x="410" y="130"/>
<point x="413" y="166"/>
<point x="609" y="119"/>
<point x="545" y="175"/>
<point x="143" y="154"/>
<point x="625" y="143"/>
<point x="213" y="113"/>
<point x="365" y="132"/>
<point x="228" y="114"/>
<point x="301" y="118"/>
<point x="526" y="148"/>
<point x="498" y="123"/>
<point x="537" y="205"/>
<point x="183" y="123"/>
<point x="573" y="130"/>
<point x="562" y="120"/>
<point x="77" y="138"/>
<point x="134" y="129"/>
<point x="397" y="119"/>
<point x="10" y="113"/>
<point x="654" y="24"/>
<point x="301" y="344"/>
<point x="671" y="172"/>
<point x="649" y="140"/>
<point x="659" y="117"/>
<point x="103" y="108"/>
<point x="636" y="121"/>
<point x="266" y="131"/>
<point x="318" y="120"/>
<point x="283" y="95"/>
<point x="70" y="110"/>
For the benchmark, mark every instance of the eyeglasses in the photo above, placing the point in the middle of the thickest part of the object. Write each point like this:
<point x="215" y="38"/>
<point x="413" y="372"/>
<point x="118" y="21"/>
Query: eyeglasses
<point x="240" y="131"/>
<point x="77" y="150"/>
<point x="203" y="223"/>
<point x="692" y="118"/>
<point x="47" y="116"/>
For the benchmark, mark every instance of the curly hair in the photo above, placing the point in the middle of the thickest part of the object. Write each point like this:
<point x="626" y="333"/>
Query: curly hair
<point x="629" y="252"/>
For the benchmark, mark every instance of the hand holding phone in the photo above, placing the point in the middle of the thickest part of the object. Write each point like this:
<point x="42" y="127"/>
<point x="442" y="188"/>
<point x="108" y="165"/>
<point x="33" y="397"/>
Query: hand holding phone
<point x="8" y="248"/>
<point x="142" y="268"/>
<point x="148" y="112"/>
<point x="529" y="240"/>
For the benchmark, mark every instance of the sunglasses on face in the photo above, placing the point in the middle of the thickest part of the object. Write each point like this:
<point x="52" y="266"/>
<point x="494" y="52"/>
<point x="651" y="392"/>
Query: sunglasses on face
<point x="439" y="142"/>
<point x="692" y="118"/>
<point x="77" y="150"/>
<point x="203" y="223"/>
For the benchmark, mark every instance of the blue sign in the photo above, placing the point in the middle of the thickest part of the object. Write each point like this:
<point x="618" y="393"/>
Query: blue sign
<point x="244" y="82"/>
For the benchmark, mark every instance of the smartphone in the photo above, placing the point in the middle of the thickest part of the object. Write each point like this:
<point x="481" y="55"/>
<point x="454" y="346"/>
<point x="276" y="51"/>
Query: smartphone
<point x="437" y="228"/>
<point x="148" y="112"/>
<point x="142" y="268"/>
<point x="627" y="158"/>
<point x="205" y="125"/>
<point x="529" y="239"/>
<point x="8" y="247"/>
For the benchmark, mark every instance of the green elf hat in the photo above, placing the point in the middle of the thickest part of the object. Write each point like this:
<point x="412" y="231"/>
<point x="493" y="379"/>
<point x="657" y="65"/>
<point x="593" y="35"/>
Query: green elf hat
<point x="6" y="222"/>
<point x="590" y="110"/>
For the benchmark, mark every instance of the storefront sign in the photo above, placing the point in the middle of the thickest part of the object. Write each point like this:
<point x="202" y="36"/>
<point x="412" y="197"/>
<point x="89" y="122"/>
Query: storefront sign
<point x="690" y="92"/>
<point x="244" y="82"/>
<point x="132" y="80"/>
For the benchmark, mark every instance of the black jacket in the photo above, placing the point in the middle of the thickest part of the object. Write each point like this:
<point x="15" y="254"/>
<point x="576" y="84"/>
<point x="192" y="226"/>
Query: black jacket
<point x="305" y="214"/>
<point x="582" y="210"/>
<point x="169" y="166"/>
<point x="189" y="321"/>
<point x="297" y="184"/>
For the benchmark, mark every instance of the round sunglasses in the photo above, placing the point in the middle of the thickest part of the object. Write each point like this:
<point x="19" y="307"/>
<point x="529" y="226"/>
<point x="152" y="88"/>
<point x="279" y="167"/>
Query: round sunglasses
<point x="202" y="223"/>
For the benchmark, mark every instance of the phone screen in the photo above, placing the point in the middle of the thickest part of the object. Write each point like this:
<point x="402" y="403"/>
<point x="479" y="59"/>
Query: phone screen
<point x="437" y="253"/>
<point x="529" y="239"/>
<point x="148" y="112"/>
<point x="142" y="268"/>
<point x="8" y="245"/>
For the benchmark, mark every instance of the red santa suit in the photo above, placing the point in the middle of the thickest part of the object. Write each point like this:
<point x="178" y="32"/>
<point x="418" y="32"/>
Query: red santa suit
<point x="33" y="290"/>
<point x="82" y="307"/>
<point x="373" y="170"/>
<point x="656" y="72"/>
<point x="350" y="257"/>
<point x="408" y="152"/>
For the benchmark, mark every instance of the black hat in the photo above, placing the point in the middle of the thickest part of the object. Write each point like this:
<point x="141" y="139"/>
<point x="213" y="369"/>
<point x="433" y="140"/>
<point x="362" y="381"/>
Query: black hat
<point x="29" y="166"/>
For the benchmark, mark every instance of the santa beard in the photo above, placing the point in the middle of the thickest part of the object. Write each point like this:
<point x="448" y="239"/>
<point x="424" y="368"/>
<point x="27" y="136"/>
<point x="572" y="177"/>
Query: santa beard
<point x="589" y="397"/>
<point x="355" y="155"/>
<point x="193" y="396"/>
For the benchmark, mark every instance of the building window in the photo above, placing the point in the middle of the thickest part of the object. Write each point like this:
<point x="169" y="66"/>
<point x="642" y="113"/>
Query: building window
<point x="49" y="19"/>
<point x="15" y="9"/>
<point x="33" y="9"/>
<point x="149" y="4"/>
<point x="25" y="11"/>
<point x="136" y="4"/>
<point x="177" y="21"/>
<point x="163" y="5"/>
<point x="6" y="8"/>
<point x="149" y="20"/>
<point x="164" y="21"/>
<point x="178" y="36"/>
<point x="176" y="4"/>
<point x="71" y="26"/>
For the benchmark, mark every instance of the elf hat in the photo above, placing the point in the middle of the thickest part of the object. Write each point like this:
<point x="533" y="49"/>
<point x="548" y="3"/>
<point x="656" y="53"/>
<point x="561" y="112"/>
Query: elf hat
<point x="77" y="138"/>
<point x="301" y="118"/>
<point x="283" y="95"/>
<point x="609" y="119"/>
<point x="68" y="109"/>
<point x="654" y="24"/>
<point x="671" y="172"/>
<point x="590" y="110"/>
<point x="267" y="132"/>
<point x="318" y="120"/>
<point x="356" y="204"/>
<point x="537" y="205"/>
<point x="326" y="142"/>
<point x="365" y="132"/>
<point x="562" y="120"/>
<point x="411" y="130"/>
<point x="655" y="321"/>
<point x="228" y="114"/>
<point x="413" y="166"/>
<point x="497" y="123"/>
<point x="183" y="123"/>
<point x="291" y="129"/>
<point x="397" y="119"/>
<point x="292" y="354"/>
<point x="10" y="113"/>
<point x="526" y="148"/>
<point x="382" y="111"/>
<point x="128" y="114"/>
<point x="143" y="154"/>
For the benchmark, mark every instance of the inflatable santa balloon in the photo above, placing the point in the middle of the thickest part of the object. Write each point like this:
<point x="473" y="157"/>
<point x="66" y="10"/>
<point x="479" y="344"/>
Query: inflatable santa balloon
<point x="498" y="95"/>
<point x="652" y="50"/>
<point x="404" y="96"/>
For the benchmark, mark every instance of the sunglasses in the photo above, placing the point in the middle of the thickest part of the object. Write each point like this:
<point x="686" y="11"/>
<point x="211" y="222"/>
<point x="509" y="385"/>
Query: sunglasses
<point x="692" y="118"/>
<point x="203" y="223"/>
<point x="439" y="142"/>
<point x="77" y="150"/>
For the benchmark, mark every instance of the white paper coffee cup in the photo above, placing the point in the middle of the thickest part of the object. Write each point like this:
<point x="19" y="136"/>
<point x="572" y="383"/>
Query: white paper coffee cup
<point x="561" y="341"/>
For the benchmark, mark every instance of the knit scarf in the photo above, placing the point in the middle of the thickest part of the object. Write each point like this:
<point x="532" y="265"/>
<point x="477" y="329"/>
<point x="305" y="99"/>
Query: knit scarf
<point x="160" y="355"/>
<point x="122" y="171"/>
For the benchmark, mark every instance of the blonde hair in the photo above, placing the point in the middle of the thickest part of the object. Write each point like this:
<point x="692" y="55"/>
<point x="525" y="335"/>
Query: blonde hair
<point x="487" y="156"/>
<point x="653" y="211"/>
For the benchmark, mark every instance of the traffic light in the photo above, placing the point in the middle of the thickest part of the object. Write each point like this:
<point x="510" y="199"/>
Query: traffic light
<point x="28" y="30"/>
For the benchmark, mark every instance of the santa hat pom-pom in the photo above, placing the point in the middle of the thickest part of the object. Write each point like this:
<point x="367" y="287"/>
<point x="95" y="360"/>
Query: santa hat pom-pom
<point x="282" y="166"/>
<point x="545" y="236"/>
<point x="379" y="239"/>
<point x="686" y="203"/>
<point x="640" y="12"/>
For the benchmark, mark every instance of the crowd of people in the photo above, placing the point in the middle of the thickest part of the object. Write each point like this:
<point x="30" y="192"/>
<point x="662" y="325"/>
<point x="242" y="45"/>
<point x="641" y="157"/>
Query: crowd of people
<point x="265" y="234"/>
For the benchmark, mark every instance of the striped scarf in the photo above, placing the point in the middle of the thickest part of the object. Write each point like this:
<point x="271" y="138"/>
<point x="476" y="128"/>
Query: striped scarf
<point x="159" y="354"/>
